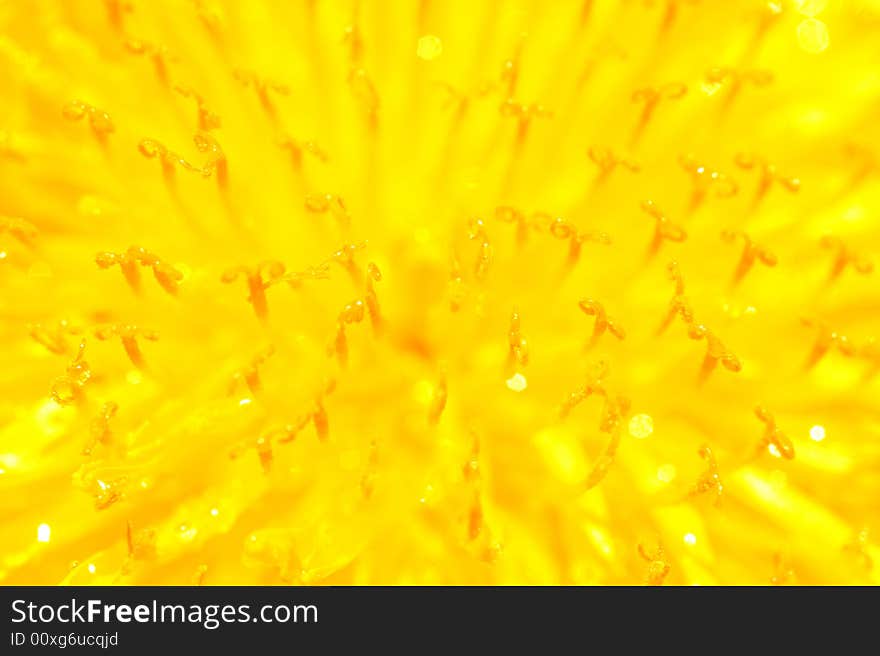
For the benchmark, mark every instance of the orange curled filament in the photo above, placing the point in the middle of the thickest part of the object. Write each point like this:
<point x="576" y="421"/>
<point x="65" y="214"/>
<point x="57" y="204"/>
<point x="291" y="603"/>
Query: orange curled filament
<point x="664" y="228"/>
<point x="595" y="385"/>
<point x="68" y="388"/>
<point x="709" y="480"/>
<point x="320" y="420"/>
<point x="524" y="114"/>
<point x="658" y="564"/>
<point x="216" y="163"/>
<point x="518" y="346"/>
<point x="607" y="161"/>
<point x="141" y="544"/>
<point x="262" y="86"/>
<point x="351" y="313"/>
<point x="24" y="231"/>
<point x="456" y="287"/>
<point x="359" y="81"/>
<point x="768" y="174"/>
<point x="679" y="305"/>
<point x="344" y="257"/>
<point x="845" y="256"/>
<point x="206" y="119"/>
<point x="670" y="12"/>
<point x="478" y="533"/>
<point x="735" y="80"/>
<point x="509" y="214"/>
<point x="353" y="38"/>
<point x="128" y="334"/>
<point x="324" y="203"/>
<point x="477" y="232"/>
<point x="160" y="56"/>
<point x="770" y="14"/>
<point x="650" y="98"/>
<point x="250" y="374"/>
<point x="258" y="279"/>
<point x="285" y="434"/>
<point x="510" y="70"/>
<point x="365" y="93"/>
<point x="613" y="412"/>
<point x="116" y="10"/>
<point x="298" y="149"/>
<point x="565" y="230"/>
<point x="705" y="179"/>
<point x="716" y="352"/>
<point x="783" y="571"/>
<point x="471" y="468"/>
<point x="859" y="549"/>
<point x="166" y="275"/>
<point x="476" y="520"/>
<point x="55" y="338"/>
<point x="210" y="15"/>
<point x="198" y="578"/>
<point x="371" y="299"/>
<point x="603" y="323"/>
<point x="318" y="413"/>
<point x="751" y="253"/>
<point x="773" y="438"/>
<point x="459" y="100"/>
<point x="264" y="451"/>
<point x="288" y="432"/>
<point x="603" y="464"/>
<point x="295" y="279"/>
<point x="99" y="120"/>
<point x="438" y="400"/>
<point x="100" y="427"/>
<point x="169" y="160"/>
<point x="109" y="492"/>
<point x="826" y="338"/>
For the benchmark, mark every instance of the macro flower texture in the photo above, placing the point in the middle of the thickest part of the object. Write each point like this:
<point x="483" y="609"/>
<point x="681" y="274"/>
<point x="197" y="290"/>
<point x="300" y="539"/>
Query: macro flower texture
<point x="440" y="293"/>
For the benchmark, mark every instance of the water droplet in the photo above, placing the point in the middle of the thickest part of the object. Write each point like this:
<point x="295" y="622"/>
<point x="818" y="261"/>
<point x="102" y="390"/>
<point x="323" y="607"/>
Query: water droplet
<point x="666" y="473"/>
<point x="517" y="382"/>
<point x="430" y="47"/>
<point x="813" y="36"/>
<point x="641" y="426"/>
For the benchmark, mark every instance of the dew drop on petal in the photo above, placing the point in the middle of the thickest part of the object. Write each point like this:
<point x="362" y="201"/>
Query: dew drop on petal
<point x="812" y="35"/>
<point x="430" y="47"/>
<point x="641" y="426"/>
<point x="517" y="382"/>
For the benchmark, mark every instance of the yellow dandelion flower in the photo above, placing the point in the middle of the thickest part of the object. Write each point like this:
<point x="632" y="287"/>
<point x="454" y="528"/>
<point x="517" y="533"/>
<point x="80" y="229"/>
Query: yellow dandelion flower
<point x="439" y="293"/>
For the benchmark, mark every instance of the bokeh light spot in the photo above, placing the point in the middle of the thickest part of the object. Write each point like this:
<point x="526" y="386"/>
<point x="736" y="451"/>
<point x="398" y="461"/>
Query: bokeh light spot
<point x="430" y="47"/>
<point x="517" y="382"/>
<point x="641" y="426"/>
<point x="813" y="36"/>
